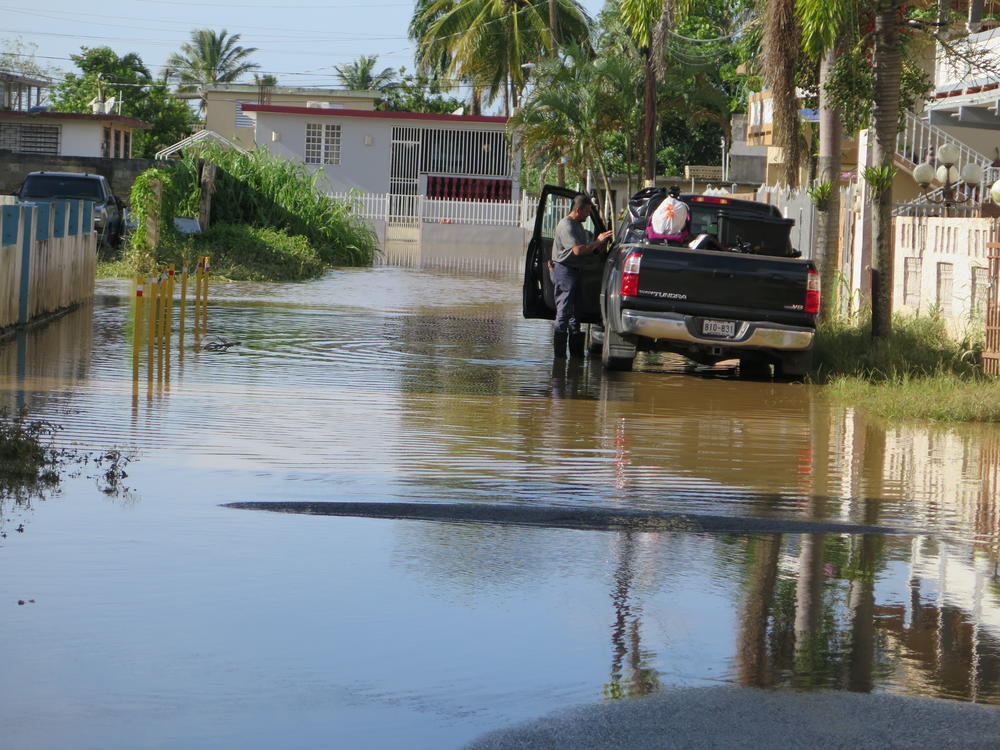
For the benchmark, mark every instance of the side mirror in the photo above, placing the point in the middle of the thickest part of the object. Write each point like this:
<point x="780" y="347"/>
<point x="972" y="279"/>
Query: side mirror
<point x="796" y="253"/>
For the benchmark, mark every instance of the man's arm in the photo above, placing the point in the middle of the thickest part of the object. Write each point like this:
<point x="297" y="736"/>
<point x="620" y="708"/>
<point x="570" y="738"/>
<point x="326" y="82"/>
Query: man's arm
<point x="593" y="247"/>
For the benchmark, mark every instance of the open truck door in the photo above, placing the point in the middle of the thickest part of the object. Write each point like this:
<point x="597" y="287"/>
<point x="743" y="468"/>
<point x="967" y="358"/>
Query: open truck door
<point x="538" y="300"/>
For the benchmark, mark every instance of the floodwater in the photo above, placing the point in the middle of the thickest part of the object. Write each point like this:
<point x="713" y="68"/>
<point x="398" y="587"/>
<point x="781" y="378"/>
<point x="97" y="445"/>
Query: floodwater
<point x="154" y="617"/>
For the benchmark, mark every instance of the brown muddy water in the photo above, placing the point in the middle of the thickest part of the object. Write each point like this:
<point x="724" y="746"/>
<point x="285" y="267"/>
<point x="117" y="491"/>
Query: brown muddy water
<point x="161" y="619"/>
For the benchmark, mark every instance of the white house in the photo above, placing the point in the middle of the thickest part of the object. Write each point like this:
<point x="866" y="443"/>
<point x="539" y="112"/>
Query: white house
<point x="455" y="157"/>
<point x="68" y="133"/>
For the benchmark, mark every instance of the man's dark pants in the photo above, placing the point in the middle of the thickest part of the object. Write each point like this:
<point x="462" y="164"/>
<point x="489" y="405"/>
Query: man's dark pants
<point x="566" y="285"/>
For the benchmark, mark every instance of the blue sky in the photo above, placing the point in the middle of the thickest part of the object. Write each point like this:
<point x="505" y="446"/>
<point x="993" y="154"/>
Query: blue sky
<point x="300" y="41"/>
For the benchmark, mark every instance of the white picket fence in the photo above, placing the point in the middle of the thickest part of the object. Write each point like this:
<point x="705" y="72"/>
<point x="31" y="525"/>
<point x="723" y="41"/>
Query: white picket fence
<point x="415" y="209"/>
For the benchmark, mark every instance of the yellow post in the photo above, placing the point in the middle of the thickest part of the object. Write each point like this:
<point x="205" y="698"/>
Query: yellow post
<point x="151" y="333"/>
<point x="137" y="330"/>
<point x="199" y="272"/>
<point x="161" y="325"/>
<point x="184" y="292"/>
<point x="169" y="328"/>
<point x="204" y="294"/>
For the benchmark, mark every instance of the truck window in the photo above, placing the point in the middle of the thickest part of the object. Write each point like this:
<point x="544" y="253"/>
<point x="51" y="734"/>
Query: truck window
<point x="53" y="186"/>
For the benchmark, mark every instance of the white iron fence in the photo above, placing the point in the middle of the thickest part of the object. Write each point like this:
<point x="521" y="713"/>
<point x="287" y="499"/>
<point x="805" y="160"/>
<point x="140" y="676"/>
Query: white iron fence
<point x="416" y="209"/>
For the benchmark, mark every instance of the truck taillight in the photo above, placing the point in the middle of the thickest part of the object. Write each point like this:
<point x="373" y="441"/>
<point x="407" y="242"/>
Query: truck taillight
<point x="630" y="274"/>
<point x="812" y="292"/>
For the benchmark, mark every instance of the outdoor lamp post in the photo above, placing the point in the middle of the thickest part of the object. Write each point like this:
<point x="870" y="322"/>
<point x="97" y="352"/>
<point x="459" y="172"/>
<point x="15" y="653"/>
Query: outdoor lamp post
<point x="948" y="175"/>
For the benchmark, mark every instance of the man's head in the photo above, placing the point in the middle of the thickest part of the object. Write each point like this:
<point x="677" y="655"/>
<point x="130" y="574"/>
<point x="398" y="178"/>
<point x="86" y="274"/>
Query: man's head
<point x="581" y="207"/>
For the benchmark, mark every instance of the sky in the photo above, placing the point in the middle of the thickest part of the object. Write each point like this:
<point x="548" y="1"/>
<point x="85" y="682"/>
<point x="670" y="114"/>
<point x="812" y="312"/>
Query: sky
<point x="299" y="41"/>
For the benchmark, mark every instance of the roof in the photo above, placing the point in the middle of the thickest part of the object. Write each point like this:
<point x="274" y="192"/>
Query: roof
<point x="332" y="112"/>
<point x="253" y="88"/>
<point x="120" y="119"/>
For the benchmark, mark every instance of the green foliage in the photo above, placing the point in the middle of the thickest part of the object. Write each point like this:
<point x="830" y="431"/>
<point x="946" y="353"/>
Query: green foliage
<point x="852" y="85"/>
<point x="880" y="178"/>
<point x="243" y="253"/>
<point x="210" y="57"/>
<point x="127" y="79"/>
<point x="27" y="460"/>
<point x="417" y="93"/>
<point x="254" y="190"/>
<point x="820" y="192"/>
<point x="360" y="75"/>
<point x="262" y="190"/>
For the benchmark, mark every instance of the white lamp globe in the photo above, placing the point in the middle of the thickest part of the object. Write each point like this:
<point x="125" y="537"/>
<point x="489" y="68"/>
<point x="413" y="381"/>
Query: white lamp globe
<point x="923" y="173"/>
<point x="972" y="174"/>
<point x="947" y="153"/>
<point x="995" y="192"/>
<point x="946" y="175"/>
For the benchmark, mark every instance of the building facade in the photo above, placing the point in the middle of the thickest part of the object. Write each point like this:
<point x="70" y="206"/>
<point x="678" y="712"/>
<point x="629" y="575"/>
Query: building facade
<point x="456" y="157"/>
<point x="68" y="134"/>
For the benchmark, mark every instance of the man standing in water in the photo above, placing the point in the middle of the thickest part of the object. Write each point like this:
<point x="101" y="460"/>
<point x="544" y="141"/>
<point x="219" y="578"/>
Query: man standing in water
<point x="568" y="248"/>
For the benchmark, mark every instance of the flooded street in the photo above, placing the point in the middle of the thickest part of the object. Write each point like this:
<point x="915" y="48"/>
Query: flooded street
<point x="154" y="617"/>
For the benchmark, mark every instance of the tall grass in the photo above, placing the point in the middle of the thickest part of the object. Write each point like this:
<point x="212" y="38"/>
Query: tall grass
<point x="253" y="190"/>
<point x="918" y="372"/>
<point x="262" y="190"/>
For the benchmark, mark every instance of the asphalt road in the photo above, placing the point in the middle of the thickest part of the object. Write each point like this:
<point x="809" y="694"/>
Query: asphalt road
<point x="732" y="717"/>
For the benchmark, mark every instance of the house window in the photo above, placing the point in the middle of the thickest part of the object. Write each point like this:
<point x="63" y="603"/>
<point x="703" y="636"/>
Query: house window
<point x="127" y="144"/>
<point x="118" y="143"/>
<point x="322" y="143"/>
<point x="980" y="288"/>
<point x="243" y="120"/>
<point x="944" y="288"/>
<point x="911" y="282"/>
<point x="106" y="143"/>
<point x="30" y="139"/>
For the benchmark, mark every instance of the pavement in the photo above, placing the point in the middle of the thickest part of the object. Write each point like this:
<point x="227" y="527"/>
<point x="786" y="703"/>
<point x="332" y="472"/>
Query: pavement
<point x="733" y="717"/>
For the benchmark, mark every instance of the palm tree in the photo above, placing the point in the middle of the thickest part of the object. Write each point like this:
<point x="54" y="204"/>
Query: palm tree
<point x="209" y="58"/>
<point x="824" y="25"/>
<point x="360" y="75"/>
<point x="486" y="42"/>
<point x="779" y="54"/>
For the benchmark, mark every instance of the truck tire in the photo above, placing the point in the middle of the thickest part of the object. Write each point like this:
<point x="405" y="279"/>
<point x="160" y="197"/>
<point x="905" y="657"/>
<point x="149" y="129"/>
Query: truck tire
<point x="615" y="361"/>
<point x="595" y="340"/>
<point x="793" y="366"/>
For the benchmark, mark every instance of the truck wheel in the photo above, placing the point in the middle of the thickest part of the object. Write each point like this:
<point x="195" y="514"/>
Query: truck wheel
<point x="755" y="367"/>
<point x="614" y="361"/>
<point x="793" y="366"/>
<point x="595" y="339"/>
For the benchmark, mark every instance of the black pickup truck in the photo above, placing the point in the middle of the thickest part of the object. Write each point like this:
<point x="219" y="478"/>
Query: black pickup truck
<point x="735" y="290"/>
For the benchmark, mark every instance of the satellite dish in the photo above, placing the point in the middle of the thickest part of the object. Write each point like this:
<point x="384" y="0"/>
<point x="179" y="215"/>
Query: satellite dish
<point x="109" y="105"/>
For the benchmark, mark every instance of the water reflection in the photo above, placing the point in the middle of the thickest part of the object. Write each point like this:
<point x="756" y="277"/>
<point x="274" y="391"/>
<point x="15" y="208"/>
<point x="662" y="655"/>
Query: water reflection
<point x="379" y="386"/>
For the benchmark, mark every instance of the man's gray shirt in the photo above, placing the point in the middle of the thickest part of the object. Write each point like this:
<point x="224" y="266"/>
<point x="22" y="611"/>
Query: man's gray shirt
<point x="569" y="234"/>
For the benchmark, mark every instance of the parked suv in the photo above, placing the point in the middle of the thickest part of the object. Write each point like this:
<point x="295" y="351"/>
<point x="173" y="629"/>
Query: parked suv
<point x="108" y="208"/>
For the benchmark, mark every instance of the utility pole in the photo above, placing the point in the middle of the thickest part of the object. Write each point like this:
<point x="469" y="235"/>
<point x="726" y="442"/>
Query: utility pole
<point x="561" y="167"/>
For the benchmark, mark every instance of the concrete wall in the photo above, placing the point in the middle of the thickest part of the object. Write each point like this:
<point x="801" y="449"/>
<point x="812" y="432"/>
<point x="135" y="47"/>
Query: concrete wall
<point x="48" y="256"/>
<point x="120" y="172"/>
<point x="956" y="242"/>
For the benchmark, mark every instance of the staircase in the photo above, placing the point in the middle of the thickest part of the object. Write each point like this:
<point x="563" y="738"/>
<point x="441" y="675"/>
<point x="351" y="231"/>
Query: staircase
<point x="919" y="141"/>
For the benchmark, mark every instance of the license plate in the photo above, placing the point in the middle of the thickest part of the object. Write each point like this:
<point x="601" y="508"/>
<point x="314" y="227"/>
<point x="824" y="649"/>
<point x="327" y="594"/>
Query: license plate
<point x="718" y="328"/>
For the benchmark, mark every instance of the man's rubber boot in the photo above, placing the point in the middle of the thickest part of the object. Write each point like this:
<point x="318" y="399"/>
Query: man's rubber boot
<point x="576" y="345"/>
<point x="559" y="345"/>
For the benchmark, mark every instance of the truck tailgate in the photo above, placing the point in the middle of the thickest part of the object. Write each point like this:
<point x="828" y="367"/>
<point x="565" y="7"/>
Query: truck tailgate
<point x="723" y="284"/>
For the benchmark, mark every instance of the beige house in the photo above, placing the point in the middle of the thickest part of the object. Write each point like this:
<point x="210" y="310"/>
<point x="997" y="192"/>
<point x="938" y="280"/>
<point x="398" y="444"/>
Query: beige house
<point x="224" y="105"/>
<point x="68" y="134"/>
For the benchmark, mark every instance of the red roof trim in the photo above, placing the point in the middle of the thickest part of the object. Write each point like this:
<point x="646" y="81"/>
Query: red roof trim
<point x="331" y="112"/>
<point x="120" y="119"/>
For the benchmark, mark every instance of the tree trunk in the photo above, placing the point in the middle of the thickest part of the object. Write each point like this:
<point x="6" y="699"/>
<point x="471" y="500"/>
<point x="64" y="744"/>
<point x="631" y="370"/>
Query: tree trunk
<point x="888" y="64"/>
<point x="781" y="50"/>
<point x="827" y="248"/>
<point x="649" y="122"/>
